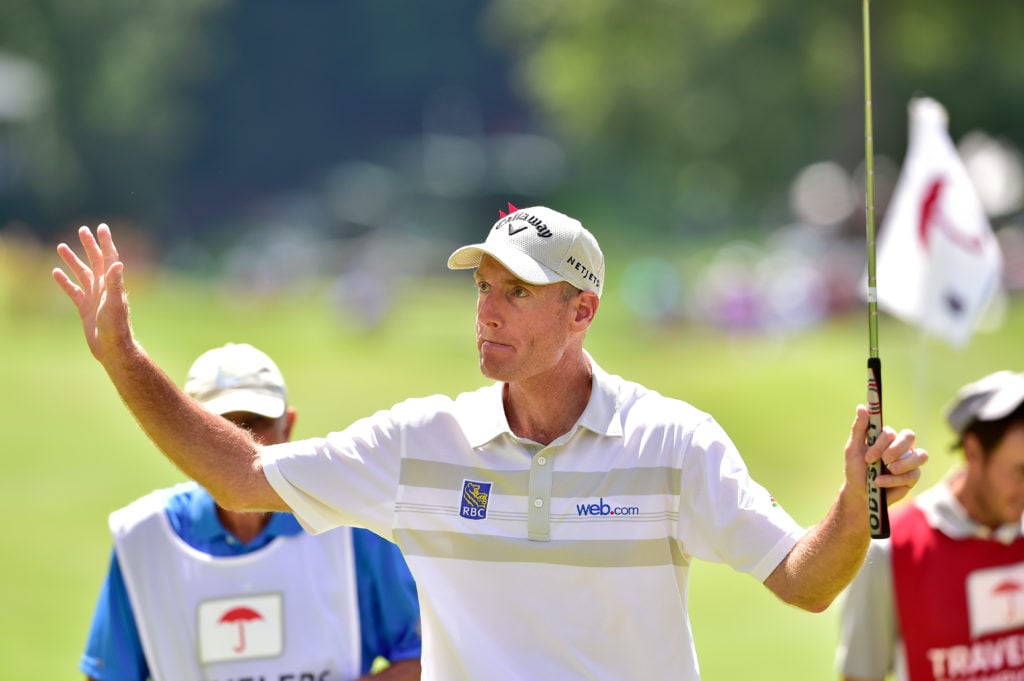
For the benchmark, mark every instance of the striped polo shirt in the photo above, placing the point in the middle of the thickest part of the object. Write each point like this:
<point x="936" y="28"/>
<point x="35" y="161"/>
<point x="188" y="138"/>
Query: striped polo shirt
<point x="564" y="561"/>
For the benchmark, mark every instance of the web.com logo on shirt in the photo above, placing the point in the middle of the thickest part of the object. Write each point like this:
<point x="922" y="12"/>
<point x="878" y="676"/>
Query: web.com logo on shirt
<point x="601" y="509"/>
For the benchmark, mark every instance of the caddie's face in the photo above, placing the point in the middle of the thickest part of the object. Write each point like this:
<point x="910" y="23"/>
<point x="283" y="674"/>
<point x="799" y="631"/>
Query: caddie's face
<point x="1001" y="493"/>
<point x="522" y="330"/>
<point x="265" y="430"/>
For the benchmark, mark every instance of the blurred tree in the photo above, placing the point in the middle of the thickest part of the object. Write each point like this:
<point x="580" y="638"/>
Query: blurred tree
<point x="180" y="115"/>
<point x="713" y="107"/>
<point x="695" y="114"/>
<point x="118" y="118"/>
<point x="312" y="84"/>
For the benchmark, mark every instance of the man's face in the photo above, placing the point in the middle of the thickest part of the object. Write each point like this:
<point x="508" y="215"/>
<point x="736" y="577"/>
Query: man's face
<point x="522" y="329"/>
<point x="266" y="431"/>
<point x="999" y="492"/>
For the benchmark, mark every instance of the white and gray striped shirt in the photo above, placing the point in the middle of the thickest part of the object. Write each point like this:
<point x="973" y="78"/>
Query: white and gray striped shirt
<point x="565" y="561"/>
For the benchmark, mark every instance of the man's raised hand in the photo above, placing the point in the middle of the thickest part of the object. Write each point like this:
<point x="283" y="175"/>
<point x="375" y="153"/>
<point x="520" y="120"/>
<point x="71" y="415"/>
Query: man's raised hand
<point x="97" y="290"/>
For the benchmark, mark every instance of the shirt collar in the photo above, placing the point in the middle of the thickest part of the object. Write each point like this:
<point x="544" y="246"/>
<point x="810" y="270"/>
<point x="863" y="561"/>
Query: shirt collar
<point x="602" y="414"/>
<point x="945" y="513"/>
<point x="207" y="527"/>
<point x="484" y="419"/>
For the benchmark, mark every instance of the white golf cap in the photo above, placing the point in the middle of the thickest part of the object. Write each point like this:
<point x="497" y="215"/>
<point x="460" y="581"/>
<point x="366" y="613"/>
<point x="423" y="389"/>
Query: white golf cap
<point x="237" y="377"/>
<point x="540" y="246"/>
<point x="987" y="399"/>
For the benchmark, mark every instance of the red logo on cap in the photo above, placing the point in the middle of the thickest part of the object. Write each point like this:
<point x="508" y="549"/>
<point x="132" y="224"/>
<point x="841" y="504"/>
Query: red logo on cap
<point x="511" y="209"/>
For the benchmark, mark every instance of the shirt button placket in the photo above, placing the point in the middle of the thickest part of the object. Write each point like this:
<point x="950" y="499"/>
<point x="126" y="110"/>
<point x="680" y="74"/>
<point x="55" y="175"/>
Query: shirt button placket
<point x="539" y="509"/>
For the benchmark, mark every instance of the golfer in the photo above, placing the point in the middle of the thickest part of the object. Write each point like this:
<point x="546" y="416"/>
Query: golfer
<point x="943" y="597"/>
<point x="550" y="519"/>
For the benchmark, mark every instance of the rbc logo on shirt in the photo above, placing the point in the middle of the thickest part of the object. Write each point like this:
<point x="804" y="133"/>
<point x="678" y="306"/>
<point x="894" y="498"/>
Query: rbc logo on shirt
<point x="474" y="499"/>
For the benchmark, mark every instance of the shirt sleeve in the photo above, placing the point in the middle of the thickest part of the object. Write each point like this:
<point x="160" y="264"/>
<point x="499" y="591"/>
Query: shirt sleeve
<point x="350" y="477"/>
<point x="113" y="651"/>
<point x="389" y="612"/>
<point x="725" y="516"/>
<point x="867" y="625"/>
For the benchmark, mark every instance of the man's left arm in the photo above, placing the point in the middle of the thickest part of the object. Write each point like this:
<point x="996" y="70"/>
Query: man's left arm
<point x="389" y="610"/>
<point x="829" y="555"/>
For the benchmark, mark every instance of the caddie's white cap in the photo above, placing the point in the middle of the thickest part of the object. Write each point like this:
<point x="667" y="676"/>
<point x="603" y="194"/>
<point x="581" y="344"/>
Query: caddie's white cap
<point x="540" y="246"/>
<point x="987" y="399"/>
<point x="237" y="377"/>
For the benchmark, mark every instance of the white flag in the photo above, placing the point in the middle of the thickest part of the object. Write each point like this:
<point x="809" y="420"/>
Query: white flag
<point x="939" y="264"/>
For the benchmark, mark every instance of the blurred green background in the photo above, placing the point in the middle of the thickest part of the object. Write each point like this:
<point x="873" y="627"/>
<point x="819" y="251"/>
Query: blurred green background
<point x="294" y="174"/>
<point x="73" y="453"/>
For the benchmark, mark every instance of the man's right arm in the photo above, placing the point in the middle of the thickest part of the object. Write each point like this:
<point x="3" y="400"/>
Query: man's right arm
<point x="219" y="455"/>
<point x="222" y="457"/>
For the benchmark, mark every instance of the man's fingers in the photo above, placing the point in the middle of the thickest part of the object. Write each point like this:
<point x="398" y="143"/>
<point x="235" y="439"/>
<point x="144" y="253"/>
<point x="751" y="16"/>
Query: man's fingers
<point x="75" y="291"/>
<point x="107" y="247"/>
<point x="890" y="479"/>
<point x="900" y="444"/>
<point x="85" y="279"/>
<point x="896" y="487"/>
<point x="75" y="264"/>
<point x="70" y="288"/>
<point x="115" y="280"/>
<point x="859" y="428"/>
<point x="890" y="445"/>
<point x="93" y="252"/>
<point x="100" y="252"/>
<point x="910" y="460"/>
<point x="881" y="444"/>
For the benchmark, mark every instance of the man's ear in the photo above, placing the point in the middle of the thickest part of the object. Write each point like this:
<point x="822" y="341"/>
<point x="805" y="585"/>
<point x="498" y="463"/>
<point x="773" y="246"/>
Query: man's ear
<point x="973" y="452"/>
<point x="291" y="414"/>
<point x="586" y="307"/>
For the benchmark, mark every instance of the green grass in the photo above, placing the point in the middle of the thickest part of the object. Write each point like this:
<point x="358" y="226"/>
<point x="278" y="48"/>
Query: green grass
<point x="72" y="453"/>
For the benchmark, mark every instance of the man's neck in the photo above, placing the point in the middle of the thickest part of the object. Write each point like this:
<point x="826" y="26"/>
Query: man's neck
<point x="971" y="499"/>
<point x="542" y="413"/>
<point x="244" y="526"/>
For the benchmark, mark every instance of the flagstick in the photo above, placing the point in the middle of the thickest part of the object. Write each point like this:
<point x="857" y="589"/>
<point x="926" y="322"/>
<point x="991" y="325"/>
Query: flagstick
<point x="878" y="513"/>
<point x="922" y="406"/>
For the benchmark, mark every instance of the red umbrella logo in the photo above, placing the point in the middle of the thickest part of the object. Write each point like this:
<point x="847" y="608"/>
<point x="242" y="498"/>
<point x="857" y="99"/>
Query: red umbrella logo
<point x="240" y="615"/>
<point x="1012" y="590"/>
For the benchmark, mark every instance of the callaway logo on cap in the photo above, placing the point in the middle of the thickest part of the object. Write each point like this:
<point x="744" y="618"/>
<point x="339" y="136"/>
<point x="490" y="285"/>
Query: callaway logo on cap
<point x="540" y="246"/>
